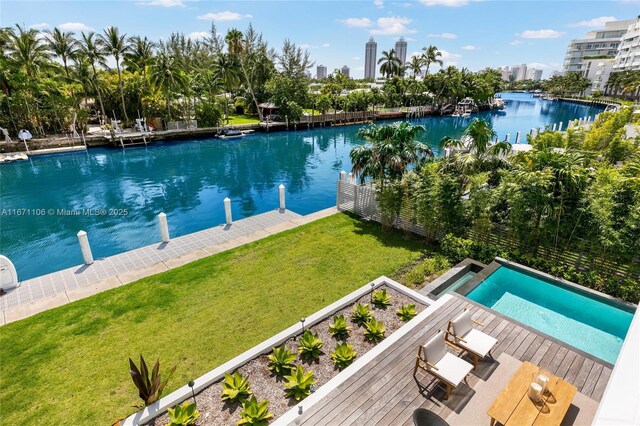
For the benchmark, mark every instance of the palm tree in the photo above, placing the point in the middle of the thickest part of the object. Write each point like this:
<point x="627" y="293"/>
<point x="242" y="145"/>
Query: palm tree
<point x="391" y="64"/>
<point x="27" y="51"/>
<point x="93" y="50"/>
<point x="234" y="40"/>
<point x="115" y="45"/>
<point x="167" y="77"/>
<point x="139" y="58"/>
<point x="415" y="65"/>
<point x="226" y="70"/>
<point x="431" y="55"/>
<point x="63" y="45"/>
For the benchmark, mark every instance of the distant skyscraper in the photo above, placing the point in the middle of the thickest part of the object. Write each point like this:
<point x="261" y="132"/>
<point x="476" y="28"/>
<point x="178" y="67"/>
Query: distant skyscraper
<point x="401" y="50"/>
<point x="345" y="70"/>
<point x="370" y="59"/>
<point x="321" y="72"/>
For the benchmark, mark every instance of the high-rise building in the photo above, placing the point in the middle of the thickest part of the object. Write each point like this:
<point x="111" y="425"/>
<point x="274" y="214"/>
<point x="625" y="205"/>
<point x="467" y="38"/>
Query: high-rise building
<point x="370" y="59"/>
<point x="506" y="72"/>
<point x="518" y="72"/>
<point x="345" y="70"/>
<point x="321" y="72"/>
<point x="598" y="72"/>
<point x="401" y="50"/>
<point x="534" y="74"/>
<point x="628" y="56"/>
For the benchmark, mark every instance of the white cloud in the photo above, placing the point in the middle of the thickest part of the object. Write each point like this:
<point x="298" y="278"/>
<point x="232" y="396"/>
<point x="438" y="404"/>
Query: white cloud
<point x="410" y="39"/>
<point x="443" y="35"/>
<point x="74" y="26"/>
<point x="162" y="3"/>
<point x="357" y="22"/>
<point x="469" y="47"/>
<point x="378" y="3"/>
<point x="227" y="15"/>
<point x="326" y="44"/>
<point x="541" y="34"/>
<point x="447" y="3"/>
<point x="356" y="58"/>
<point x="448" y="56"/>
<point x="305" y="46"/>
<point x="197" y="35"/>
<point x="516" y="42"/>
<point x="595" y="22"/>
<point x="39" y="26"/>
<point x="392" y="25"/>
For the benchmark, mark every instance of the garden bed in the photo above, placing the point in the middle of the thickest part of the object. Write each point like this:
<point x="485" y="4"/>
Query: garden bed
<point x="265" y="385"/>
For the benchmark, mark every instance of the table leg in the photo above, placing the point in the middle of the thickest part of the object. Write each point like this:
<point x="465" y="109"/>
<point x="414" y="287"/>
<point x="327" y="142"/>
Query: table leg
<point x="493" y="421"/>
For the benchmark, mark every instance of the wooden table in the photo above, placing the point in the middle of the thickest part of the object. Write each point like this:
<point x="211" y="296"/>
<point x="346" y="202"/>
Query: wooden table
<point x="514" y="407"/>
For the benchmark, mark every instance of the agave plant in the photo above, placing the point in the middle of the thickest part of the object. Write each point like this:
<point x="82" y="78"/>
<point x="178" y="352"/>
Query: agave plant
<point x="235" y="387"/>
<point x="149" y="387"/>
<point x="298" y="384"/>
<point x="406" y="312"/>
<point x="310" y="345"/>
<point x="374" y="330"/>
<point x="343" y="355"/>
<point x="185" y="414"/>
<point x="361" y="314"/>
<point x="339" y="329"/>
<point x="380" y="298"/>
<point x="281" y="361"/>
<point x="255" y="413"/>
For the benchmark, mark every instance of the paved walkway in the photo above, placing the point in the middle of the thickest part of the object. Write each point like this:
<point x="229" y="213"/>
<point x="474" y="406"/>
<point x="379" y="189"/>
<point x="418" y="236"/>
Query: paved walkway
<point x="59" y="288"/>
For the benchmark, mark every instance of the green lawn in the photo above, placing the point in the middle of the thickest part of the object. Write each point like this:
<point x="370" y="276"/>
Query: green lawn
<point x="69" y="365"/>
<point x="242" y="119"/>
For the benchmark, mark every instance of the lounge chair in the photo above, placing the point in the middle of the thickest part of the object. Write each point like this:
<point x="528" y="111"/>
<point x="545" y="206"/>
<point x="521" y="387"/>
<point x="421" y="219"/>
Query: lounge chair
<point x="435" y="360"/>
<point x="424" y="417"/>
<point x="461" y="334"/>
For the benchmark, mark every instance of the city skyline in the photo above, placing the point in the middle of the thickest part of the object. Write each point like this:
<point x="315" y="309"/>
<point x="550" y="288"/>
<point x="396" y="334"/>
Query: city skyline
<point x="540" y="41"/>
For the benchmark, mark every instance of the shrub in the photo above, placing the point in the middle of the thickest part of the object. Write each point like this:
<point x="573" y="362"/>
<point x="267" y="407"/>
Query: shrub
<point x="235" y="387"/>
<point x="361" y="314"/>
<point x="339" y="329"/>
<point x="456" y="249"/>
<point x="380" y="298"/>
<point x="281" y="361"/>
<point x="406" y="312"/>
<point x="149" y="387"/>
<point x="298" y="384"/>
<point x="374" y="330"/>
<point x="185" y="414"/>
<point x="310" y="345"/>
<point x="343" y="355"/>
<point x="255" y="413"/>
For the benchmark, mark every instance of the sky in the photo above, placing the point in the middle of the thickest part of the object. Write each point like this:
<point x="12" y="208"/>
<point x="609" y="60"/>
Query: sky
<point x="470" y="33"/>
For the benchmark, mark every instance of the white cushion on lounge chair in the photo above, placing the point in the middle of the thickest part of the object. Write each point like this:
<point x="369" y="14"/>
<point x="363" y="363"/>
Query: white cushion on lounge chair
<point x="451" y="369"/>
<point x="477" y="342"/>
<point x="462" y="325"/>
<point x="434" y="349"/>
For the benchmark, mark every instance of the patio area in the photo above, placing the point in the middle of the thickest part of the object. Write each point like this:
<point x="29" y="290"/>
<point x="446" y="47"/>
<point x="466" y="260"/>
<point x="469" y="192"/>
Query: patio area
<point x="385" y="392"/>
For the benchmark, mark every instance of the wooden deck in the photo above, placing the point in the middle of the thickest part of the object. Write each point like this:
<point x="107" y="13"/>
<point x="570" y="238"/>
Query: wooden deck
<point x="384" y="391"/>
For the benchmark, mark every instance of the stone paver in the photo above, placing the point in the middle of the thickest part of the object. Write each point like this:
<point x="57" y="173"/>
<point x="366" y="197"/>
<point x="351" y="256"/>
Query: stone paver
<point x="61" y="287"/>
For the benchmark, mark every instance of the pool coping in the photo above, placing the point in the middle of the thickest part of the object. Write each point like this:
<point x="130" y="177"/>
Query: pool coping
<point x="455" y="273"/>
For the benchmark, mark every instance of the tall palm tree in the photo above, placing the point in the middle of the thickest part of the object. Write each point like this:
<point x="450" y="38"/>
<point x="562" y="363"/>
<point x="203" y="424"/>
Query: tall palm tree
<point x="63" y="45"/>
<point x="28" y="51"/>
<point x="234" y="40"/>
<point x="431" y="55"/>
<point x="139" y="58"/>
<point x="167" y="77"/>
<point x="415" y="65"/>
<point x="390" y="63"/>
<point x="115" y="45"/>
<point x="226" y="69"/>
<point x="93" y="50"/>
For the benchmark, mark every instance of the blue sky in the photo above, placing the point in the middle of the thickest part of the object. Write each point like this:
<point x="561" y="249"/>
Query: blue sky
<point x="474" y="34"/>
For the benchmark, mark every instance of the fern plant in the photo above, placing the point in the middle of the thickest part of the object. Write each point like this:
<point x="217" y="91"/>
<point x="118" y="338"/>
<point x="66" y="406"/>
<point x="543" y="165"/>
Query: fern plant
<point x="339" y="329"/>
<point x="310" y="345"/>
<point x="184" y="414"/>
<point x="281" y="361"/>
<point x="374" y="330"/>
<point x="361" y="314"/>
<point x="150" y="387"/>
<point x="343" y="355"/>
<point x="298" y="384"/>
<point x="406" y="312"/>
<point x="380" y="298"/>
<point x="235" y="387"/>
<point x="255" y="413"/>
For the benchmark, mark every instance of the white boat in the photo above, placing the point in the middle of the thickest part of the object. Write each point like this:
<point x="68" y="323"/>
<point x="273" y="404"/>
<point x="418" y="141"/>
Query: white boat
<point x="230" y="133"/>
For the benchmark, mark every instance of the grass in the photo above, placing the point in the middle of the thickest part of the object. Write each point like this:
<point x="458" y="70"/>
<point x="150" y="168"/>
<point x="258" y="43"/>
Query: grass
<point x="242" y="119"/>
<point x="69" y="365"/>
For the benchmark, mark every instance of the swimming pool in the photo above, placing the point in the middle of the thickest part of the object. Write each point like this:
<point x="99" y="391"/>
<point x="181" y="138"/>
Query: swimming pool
<point x="592" y="324"/>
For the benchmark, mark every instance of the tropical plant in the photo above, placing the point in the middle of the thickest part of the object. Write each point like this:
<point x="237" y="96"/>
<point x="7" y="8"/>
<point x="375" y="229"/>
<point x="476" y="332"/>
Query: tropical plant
<point x="167" y="77"/>
<point x="390" y="63"/>
<point x="343" y="355"/>
<point x="235" y="387"/>
<point x="115" y="45"/>
<point x="431" y="55"/>
<point x="310" y="345"/>
<point x="184" y="414"/>
<point x="63" y="45"/>
<point x="415" y="65"/>
<point x="339" y="329"/>
<point x="374" y="330"/>
<point x="281" y="361"/>
<point x="407" y="312"/>
<point x="150" y="386"/>
<point x="255" y="413"/>
<point x="380" y="298"/>
<point x="298" y="383"/>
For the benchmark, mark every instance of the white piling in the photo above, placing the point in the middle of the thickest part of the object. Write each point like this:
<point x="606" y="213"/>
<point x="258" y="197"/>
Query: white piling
<point x="85" y="247"/>
<point x="343" y="176"/>
<point x="588" y="119"/>
<point x="351" y="178"/>
<point x="508" y="137"/>
<point x="164" y="227"/>
<point x="560" y="126"/>
<point x="281" y="194"/>
<point x="553" y="128"/>
<point x="227" y="210"/>
<point x="518" y="137"/>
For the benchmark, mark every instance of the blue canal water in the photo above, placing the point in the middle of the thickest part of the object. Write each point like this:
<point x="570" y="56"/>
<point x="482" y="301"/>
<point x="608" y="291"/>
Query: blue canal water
<point x="188" y="180"/>
<point x="582" y="321"/>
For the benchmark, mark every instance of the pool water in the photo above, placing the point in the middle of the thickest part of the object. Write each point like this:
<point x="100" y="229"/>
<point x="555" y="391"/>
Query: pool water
<point x="188" y="180"/>
<point x="458" y="283"/>
<point x="583" y="321"/>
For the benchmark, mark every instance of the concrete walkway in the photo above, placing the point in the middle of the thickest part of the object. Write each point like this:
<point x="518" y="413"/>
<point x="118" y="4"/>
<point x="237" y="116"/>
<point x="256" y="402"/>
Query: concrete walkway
<point x="59" y="288"/>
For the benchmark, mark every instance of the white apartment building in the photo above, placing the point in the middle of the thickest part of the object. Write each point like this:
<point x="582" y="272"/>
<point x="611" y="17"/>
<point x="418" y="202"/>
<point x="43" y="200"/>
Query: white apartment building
<point x="321" y="72"/>
<point x="534" y="74"/>
<point x="598" y="71"/>
<point x="628" y="57"/>
<point x="370" y="59"/>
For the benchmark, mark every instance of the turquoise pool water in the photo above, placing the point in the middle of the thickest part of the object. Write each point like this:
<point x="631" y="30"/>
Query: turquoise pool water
<point x="189" y="179"/>
<point x="584" y="322"/>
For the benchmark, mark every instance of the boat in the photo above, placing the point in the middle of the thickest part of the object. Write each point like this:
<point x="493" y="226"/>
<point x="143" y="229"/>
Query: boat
<point x="230" y="133"/>
<point x="467" y="105"/>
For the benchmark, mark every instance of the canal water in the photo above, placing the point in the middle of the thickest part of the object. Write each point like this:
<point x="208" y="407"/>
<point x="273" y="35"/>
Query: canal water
<point x="115" y="195"/>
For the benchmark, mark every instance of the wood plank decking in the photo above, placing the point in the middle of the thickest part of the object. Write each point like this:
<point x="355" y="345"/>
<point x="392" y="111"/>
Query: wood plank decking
<point x="384" y="392"/>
